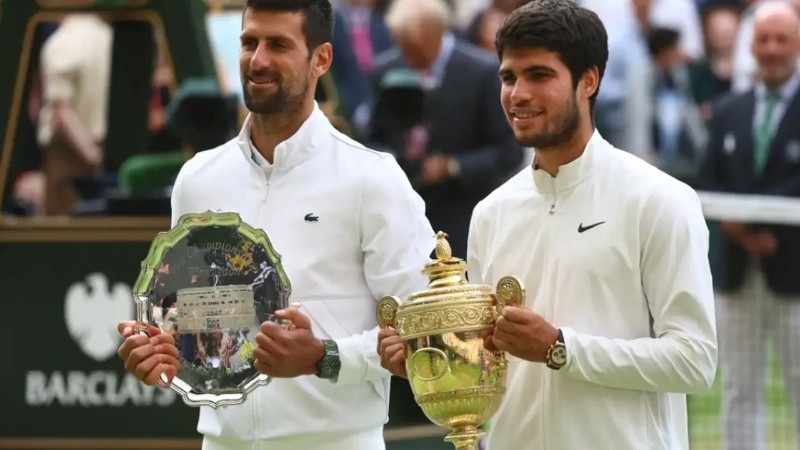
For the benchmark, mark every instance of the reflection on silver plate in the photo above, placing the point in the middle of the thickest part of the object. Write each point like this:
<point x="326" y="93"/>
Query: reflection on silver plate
<point x="206" y="310"/>
<point x="211" y="281"/>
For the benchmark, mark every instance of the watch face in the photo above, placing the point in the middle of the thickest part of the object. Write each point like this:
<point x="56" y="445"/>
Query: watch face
<point x="330" y="364"/>
<point x="559" y="356"/>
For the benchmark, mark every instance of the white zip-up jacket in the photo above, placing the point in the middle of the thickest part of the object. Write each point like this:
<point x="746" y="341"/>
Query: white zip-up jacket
<point x="370" y="239"/>
<point x="615" y="253"/>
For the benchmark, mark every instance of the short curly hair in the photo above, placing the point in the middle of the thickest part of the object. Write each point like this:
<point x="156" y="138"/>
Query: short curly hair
<point x="575" y="33"/>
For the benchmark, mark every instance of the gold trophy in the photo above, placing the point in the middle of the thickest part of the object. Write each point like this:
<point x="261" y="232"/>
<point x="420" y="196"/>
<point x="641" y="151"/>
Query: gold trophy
<point x="455" y="380"/>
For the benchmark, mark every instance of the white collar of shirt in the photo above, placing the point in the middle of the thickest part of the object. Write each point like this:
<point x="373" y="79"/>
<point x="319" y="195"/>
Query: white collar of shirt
<point x="785" y="94"/>
<point x="786" y="91"/>
<point x="259" y="159"/>
<point x="437" y="69"/>
<point x="574" y="172"/>
<point x="298" y="148"/>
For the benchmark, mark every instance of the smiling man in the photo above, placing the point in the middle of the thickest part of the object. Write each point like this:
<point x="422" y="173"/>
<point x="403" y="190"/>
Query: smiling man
<point x="618" y="323"/>
<point x="619" y="320"/>
<point x="349" y="229"/>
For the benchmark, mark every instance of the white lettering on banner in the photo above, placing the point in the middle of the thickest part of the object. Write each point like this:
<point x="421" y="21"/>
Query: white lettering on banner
<point x="96" y="388"/>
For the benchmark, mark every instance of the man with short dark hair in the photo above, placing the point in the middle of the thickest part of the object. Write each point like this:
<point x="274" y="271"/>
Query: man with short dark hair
<point x="618" y="323"/>
<point x="452" y="142"/>
<point x="369" y="239"/>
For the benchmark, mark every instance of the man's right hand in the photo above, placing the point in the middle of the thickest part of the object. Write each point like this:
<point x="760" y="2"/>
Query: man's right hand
<point x="758" y="244"/>
<point x="392" y="350"/>
<point x="152" y="359"/>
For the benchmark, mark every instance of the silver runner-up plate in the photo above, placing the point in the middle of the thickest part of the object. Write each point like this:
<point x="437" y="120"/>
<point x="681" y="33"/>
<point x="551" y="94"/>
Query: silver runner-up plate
<point x="210" y="282"/>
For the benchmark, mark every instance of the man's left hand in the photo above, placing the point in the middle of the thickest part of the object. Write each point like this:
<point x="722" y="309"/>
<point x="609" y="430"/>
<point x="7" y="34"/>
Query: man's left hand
<point x="288" y="352"/>
<point x="766" y="243"/>
<point x="524" y="334"/>
<point x="435" y="169"/>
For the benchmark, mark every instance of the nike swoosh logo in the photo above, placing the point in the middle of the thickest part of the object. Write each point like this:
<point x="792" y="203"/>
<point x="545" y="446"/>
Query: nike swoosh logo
<point x="582" y="228"/>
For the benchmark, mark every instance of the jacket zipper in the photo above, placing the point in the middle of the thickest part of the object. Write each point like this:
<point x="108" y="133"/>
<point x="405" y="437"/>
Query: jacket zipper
<point x="543" y="381"/>
<point x="267" y="183"/>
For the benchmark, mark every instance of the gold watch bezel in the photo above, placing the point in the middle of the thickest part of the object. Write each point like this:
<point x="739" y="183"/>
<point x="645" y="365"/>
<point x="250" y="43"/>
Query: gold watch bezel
<point x="551" y="363"/>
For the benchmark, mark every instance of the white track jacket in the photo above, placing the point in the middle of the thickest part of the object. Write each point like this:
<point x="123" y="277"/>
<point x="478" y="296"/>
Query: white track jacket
<point x="615" y="253"/>
<point x="349" y="229"/>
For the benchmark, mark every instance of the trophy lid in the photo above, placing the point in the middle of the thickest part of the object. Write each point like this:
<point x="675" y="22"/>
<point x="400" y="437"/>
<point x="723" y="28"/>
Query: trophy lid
<point x="450" y="303"/>
<point x="446" y="269"/>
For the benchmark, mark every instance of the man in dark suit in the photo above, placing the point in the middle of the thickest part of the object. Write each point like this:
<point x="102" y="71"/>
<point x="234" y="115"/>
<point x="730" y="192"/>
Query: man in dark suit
<point x="359" y="34"/>
<point x="437" y="111"/>
<point x="754" y="148"/>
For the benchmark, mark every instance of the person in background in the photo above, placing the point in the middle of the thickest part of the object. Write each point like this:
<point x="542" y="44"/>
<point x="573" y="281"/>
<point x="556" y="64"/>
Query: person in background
<point x="712" y="76"/>
<point x="75" y="71"/>
<point x="359" y="35"/>
<point x="754" y="148"/>
<point x="453" y="143"/>
<point x="745" y="70"/>
<point x="483" y="27"/>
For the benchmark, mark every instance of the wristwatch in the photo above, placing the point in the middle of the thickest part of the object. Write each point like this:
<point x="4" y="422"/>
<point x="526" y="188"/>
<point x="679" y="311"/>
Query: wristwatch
<point x="557" y="353"/>
<point x="328" y="367"/>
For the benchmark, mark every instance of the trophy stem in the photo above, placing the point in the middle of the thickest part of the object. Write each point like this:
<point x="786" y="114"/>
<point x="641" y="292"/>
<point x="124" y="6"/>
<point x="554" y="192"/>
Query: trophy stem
<point x="465" y="438"/>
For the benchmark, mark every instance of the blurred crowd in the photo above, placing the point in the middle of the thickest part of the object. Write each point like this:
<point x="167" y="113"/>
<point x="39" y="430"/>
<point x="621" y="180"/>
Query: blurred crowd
<point x="426" y="91"/>
<point x="64" y="155"/>
<point x="417" y="79"/>
<point x="669" y="60"/>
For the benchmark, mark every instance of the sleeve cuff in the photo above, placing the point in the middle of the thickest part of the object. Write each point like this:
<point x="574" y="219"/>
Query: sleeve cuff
<point x="354" y="367"/>
<point x="571" y="343"/>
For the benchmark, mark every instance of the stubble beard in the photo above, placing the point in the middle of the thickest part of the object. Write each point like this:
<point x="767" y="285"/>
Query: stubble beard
<point x="279" y="102"/>
<point x="567" y="125"/>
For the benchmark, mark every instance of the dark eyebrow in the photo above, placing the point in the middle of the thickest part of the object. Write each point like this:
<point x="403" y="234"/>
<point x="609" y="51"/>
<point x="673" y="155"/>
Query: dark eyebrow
<point x="539" y="68"/>
<point x="272" y="39"/>
<point x="505" y="72"/>
<point x="279" y="39"/>
<point x="529" y="69"/>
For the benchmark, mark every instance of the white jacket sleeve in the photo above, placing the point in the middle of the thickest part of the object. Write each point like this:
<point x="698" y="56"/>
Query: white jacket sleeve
<point x="177" y="202"/>
<point x="397" y="241"/>
<point x="474" y="255"/>
<point x="681" y="355"/>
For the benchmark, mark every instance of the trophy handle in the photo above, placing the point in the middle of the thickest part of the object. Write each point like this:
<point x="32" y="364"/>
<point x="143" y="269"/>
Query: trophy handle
<point x="510" y="291"/>
<point x="387" y="311"/>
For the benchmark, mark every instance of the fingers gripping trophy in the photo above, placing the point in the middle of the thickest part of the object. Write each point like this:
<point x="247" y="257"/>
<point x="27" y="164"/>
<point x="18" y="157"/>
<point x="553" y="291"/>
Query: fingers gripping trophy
<point x="456" y="381"/>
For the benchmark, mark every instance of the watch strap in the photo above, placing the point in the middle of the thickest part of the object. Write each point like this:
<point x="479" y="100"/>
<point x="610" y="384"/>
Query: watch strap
<point x="330" y="364"/>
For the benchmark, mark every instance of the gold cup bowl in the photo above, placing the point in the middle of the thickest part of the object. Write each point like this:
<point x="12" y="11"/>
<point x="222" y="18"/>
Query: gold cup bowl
<point x="456" y="381"/>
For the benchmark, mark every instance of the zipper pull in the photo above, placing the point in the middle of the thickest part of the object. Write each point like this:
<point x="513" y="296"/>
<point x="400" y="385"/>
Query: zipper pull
<point x="553" y="208"/>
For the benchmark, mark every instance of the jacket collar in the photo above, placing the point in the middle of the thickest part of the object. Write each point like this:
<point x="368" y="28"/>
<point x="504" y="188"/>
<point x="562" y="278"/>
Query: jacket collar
<point x="785" y="93"/>
<point x="293" y="151"/>
<point x="573" y="173"/>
